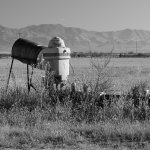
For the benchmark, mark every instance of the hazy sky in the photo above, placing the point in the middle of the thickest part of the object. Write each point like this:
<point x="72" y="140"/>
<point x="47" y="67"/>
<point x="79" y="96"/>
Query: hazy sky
<point x="97" y="15"/>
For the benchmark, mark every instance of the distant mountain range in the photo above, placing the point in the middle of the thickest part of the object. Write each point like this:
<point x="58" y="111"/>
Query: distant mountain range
<point x="79" y="40"/>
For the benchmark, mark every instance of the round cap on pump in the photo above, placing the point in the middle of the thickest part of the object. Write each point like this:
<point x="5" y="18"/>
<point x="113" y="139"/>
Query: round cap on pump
<point x="56" y="42"/>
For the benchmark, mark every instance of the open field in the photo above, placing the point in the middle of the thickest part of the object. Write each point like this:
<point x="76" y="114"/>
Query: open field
<point x="28" y="125"/>
<point x="123" y="71"/>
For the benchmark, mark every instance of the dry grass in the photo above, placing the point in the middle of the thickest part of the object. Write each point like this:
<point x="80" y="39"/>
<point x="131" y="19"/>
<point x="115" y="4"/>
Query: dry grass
<point x="59" y="134"/>
<point x="23" y="126"/>
<point x="32" y="121"/>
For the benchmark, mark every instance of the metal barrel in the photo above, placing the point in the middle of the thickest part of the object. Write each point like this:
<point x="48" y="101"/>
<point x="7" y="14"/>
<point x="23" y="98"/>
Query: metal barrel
<point x="26" y="51"/>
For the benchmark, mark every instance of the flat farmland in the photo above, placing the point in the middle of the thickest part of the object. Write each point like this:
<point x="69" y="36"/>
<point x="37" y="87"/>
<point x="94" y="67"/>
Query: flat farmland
<point x="112" y="132"/>
<point x="122" y="71"/>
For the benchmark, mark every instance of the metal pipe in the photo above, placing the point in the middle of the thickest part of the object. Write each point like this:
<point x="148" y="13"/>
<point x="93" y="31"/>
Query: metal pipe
<point x="9" y="73"/>
<point x="28" y="78"/>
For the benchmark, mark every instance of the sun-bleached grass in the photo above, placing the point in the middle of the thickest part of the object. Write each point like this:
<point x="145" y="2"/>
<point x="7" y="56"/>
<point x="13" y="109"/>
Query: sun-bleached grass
<point x="62" y="134"/>
<point x="26" y="123"/>
<point x="31" y="120"/>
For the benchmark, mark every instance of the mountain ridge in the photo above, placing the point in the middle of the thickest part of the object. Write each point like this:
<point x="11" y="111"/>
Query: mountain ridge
<point x="79" y="40"/>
